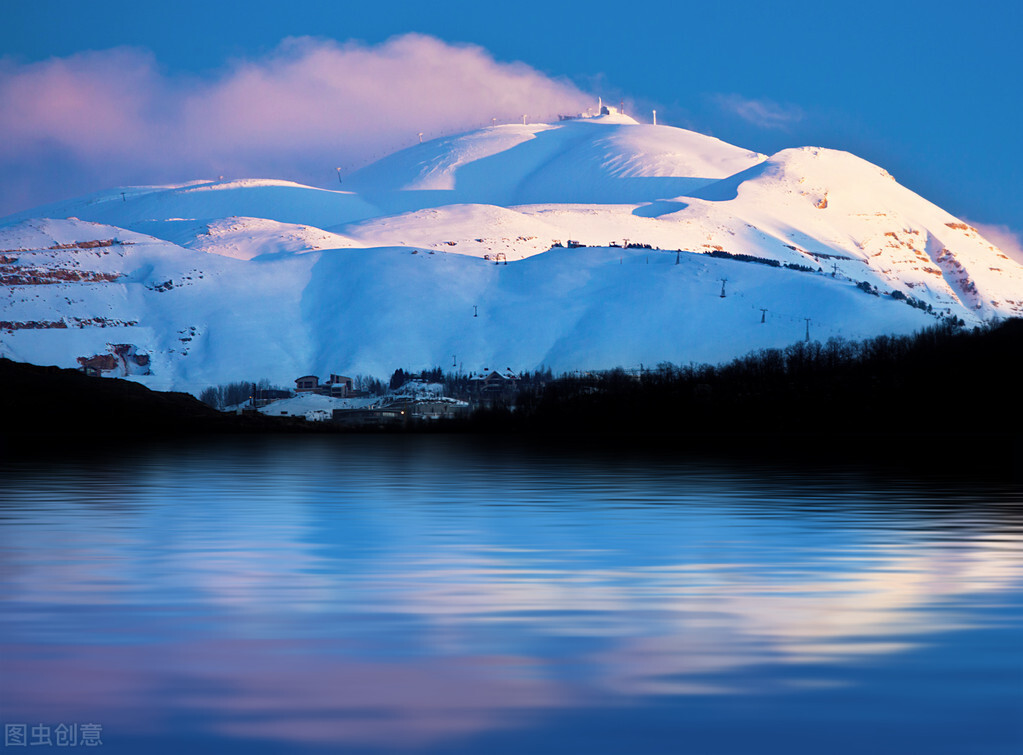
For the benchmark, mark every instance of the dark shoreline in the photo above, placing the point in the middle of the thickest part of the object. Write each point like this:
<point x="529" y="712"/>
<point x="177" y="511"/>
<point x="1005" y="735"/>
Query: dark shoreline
<point x="940" y="403"/>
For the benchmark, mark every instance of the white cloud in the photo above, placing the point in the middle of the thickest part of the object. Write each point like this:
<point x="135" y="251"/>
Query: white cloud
<point x="762" y="113"/>
<point x="113" y="116"/>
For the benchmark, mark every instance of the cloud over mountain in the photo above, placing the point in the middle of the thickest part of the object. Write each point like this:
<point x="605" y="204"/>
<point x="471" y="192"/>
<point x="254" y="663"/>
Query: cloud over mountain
<point x="1002" y="236"/>
<point x="760" y="112"/>
<point x="114" y="116"/>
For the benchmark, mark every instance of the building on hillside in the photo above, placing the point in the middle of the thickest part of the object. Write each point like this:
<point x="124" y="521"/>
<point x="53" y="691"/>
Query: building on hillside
<point x="492" y="380"/>
<point x="490" y="386"/>
<point x="340" y="386"/>
<point x="429" y="407"/>
<point x="265" y="396"/>
<point x="337" y="386"/>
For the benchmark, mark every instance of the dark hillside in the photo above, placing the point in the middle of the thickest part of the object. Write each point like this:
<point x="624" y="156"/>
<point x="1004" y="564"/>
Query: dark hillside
<point x="40" y="403"/>
<point x="945" y="393"/>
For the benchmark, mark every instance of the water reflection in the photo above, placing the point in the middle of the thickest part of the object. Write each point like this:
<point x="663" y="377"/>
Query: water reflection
<point x="424" y="593"/>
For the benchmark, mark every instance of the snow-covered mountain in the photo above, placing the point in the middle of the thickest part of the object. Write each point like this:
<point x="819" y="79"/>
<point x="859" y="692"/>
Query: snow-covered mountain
<point x="588" y="243"/>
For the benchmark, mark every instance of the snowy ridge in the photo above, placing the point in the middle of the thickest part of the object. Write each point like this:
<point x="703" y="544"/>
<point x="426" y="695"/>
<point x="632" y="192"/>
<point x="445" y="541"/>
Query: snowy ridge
<point x="283" y="201"/>
<point x="457" y="251"/>
<point x="604" y="160"/>
<point x="247" y="238"/>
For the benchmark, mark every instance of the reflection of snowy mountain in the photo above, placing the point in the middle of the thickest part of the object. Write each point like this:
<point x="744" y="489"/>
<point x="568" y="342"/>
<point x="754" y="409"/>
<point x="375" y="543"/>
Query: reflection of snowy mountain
<point x="213" y="282"/>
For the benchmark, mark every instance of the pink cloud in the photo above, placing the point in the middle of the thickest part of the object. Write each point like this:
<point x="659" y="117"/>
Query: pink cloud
<point x="110" y="117"/>
<point x="278" y="690"/>
<point x="1006" y="239"/>
<point x="87" y="102"/>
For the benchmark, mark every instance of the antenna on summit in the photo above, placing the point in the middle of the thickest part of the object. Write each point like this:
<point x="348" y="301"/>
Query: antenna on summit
<point x="420" y="137"/>
<point x="655" y="117"/>
<point x="339" y="175"/>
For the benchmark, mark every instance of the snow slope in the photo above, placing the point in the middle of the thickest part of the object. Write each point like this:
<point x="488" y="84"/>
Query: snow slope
<point x="371" y="310"/>
<point x="283" y="201"/>
<point x="605" y="160"/>
<point x="198" y="284"/>
<point x="477" y="230"/>
<point x="829" y="202"/>
<point x="246" y="238"/>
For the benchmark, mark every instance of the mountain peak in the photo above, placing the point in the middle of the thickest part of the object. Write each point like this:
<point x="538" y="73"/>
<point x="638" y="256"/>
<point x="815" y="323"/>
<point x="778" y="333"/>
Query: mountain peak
<point x="608" y="159"/>
<point x="587" y="243"/>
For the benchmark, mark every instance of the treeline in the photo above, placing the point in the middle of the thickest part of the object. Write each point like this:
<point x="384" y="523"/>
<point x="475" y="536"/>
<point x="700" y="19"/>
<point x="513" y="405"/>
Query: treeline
<point x="232" y="394"/>
<point x="455" y="384"/>
<point x="460" y="384"/>
<point x="943" y="382"/>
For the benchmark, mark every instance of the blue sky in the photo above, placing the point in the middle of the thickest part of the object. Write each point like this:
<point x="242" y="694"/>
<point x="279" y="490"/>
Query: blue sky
<point x="932" y="91"/>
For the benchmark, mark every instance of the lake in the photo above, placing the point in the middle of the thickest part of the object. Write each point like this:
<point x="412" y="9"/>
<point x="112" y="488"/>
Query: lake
<point x="464" y="595"/>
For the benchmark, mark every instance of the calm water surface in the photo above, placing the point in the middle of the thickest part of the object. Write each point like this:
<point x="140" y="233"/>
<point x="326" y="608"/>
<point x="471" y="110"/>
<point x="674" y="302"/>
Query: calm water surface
<point x="438" y="595"/>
